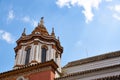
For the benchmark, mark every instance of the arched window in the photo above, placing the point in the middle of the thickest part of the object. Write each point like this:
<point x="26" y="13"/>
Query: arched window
<point x="27" y="56"/>
<point x="43" y="55"/>
<point x="20" y="78"/>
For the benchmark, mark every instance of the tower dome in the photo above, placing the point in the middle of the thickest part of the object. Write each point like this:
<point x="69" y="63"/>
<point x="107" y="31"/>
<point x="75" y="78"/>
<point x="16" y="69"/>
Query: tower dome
<point x="41" y="29"/>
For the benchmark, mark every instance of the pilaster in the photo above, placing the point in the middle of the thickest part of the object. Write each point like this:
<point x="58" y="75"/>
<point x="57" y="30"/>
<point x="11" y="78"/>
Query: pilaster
<point x="39" y="54"/>
<point x="19" y="58"/>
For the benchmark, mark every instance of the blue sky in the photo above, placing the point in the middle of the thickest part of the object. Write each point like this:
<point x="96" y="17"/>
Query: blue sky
<point x="86" y="27"/>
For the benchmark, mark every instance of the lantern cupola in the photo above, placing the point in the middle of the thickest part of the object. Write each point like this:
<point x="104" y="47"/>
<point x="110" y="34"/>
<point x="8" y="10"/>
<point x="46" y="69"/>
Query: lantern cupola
<point x="38" y="47"/>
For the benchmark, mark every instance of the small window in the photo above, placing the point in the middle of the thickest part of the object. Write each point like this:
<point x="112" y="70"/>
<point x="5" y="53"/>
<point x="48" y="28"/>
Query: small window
<point x="21" y="79"/>
<point x="37" y="32"/>
<point x="27" y="56"/>
<point x="43" y="57"/>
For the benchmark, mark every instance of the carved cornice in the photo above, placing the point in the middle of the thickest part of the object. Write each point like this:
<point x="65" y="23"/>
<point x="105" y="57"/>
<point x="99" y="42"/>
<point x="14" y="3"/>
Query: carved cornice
<point x="94" y="59"/>
<point x="18" y="65"/>
<point x="41" y="37"/>
<point x="28" y="68"/>
<point x="36" y="42"/>
<point x="34" y="61"/>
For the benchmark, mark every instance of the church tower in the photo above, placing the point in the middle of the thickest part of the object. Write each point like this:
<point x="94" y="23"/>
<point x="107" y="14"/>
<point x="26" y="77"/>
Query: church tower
<point x="39" y="47"/>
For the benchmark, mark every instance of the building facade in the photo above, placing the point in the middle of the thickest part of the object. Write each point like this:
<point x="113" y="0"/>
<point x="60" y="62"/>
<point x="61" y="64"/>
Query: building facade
<point x="38" y="56"/>
<point x="101" y="67"/>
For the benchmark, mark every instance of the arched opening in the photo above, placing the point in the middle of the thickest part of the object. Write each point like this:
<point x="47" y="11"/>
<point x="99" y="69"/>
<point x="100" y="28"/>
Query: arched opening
<point x="27" y="56"/>
<point x="20" y="78"/>
<point x="43" y="55"/>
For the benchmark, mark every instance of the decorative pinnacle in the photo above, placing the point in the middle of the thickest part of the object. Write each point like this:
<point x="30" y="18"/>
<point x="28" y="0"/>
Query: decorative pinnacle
<point x="42" y="21"/>
<point x="58" y="38"/>
<point x="24" y="34"/>
<point x="53" y="30"/>
<point x="53" y="34"/>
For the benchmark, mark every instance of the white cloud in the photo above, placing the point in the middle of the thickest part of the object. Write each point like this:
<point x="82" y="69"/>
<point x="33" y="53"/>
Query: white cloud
<point x="79" y="44"/>
<point x="1" y="31"/>
<point x="6" y="36"/>
<point x="63" y="3"/>
<point x="117" y="8"/>
<point x="88" y="5"/>
<point x="116" y="11"/>
<point x="109" y="0"/>
<point x="11" y="15"/>
<point x="26" y="19"/>
<point x="34" y="23"/>
<point x="116" y="16"/>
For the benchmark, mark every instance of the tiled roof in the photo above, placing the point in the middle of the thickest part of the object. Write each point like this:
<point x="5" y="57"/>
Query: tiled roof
<point x="93" y="59"/>
<point x="117" y="77"/>
<point x="29" y="68"/>
<point x="88" y="71"/>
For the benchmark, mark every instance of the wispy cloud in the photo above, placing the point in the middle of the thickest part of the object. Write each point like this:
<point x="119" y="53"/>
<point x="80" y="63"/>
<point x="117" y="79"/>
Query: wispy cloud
<point x="116" y="11"/>
<point x="34" y="23"/>
<point x="27" y="19"/>
<point x="88" y="5"/>
<point x="117" y="8"/>
<point x="79" y="43"/>
<point x="109" y="0"/>
<point x="116" y="16"/>
<point x="6" y="36"/>
<point x="11" y="15"/>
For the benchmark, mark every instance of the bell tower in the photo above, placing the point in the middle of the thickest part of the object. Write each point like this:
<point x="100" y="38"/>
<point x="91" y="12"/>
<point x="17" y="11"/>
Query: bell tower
<point x="37" y="48"/>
